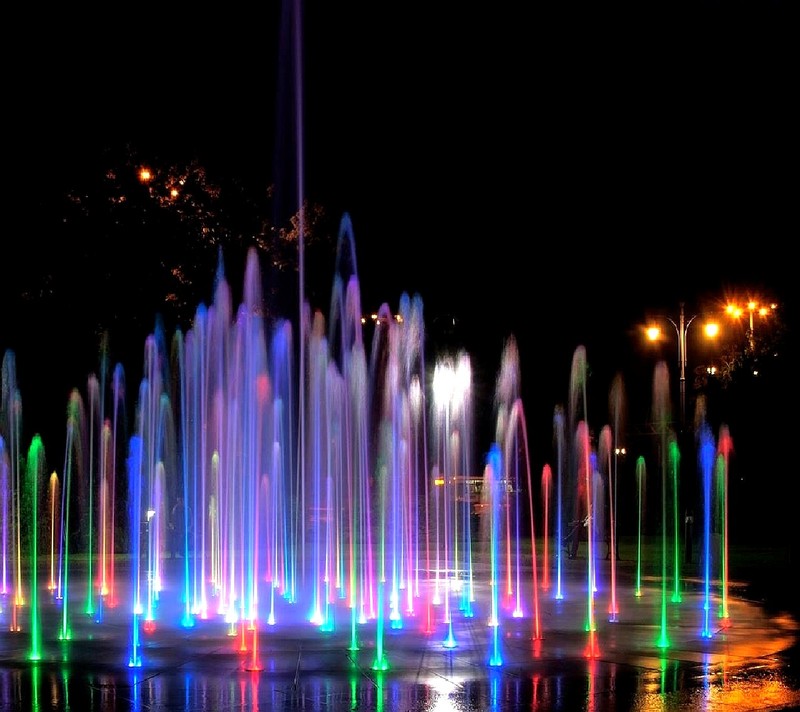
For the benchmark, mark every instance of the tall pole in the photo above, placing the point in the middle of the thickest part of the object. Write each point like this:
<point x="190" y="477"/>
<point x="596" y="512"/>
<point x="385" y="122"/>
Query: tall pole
<point x="682" y="327"/>
<point x="682" y="360"/>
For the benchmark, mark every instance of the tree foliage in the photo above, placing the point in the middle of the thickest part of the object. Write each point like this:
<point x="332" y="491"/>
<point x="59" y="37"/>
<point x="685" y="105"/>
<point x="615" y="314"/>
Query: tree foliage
<point x="123" y="245"/>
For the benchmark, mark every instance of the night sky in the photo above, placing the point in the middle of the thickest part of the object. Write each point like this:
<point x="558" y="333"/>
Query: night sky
<point x="562" y="147"/>
<point x="550" y="173"/>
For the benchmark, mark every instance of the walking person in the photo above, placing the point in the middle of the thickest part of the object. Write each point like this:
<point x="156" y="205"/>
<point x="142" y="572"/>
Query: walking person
<point x="177" y="528"/>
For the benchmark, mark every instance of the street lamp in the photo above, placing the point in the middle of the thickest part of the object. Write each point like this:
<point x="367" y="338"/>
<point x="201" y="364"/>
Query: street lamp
<point x="711" y="330"/>
<point x="752" y="307"/>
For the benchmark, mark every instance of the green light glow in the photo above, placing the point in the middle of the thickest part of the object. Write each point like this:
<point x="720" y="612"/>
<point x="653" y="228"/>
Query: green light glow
<point x="34" y="473"/>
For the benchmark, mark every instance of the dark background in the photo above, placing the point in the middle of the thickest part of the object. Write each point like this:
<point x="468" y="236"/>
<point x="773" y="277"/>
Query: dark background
<point x="556" y="174"/>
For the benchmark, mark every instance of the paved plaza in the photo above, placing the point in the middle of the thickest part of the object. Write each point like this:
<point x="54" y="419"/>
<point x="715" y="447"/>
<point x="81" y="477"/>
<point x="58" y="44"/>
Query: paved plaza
<point x="747" y="661"/>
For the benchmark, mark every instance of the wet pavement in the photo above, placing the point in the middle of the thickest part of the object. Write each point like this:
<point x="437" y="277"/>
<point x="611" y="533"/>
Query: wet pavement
<point x="747" y="661"/>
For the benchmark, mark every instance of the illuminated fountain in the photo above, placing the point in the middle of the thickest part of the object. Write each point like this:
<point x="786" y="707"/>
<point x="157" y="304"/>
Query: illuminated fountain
<point x="359" y="512"/>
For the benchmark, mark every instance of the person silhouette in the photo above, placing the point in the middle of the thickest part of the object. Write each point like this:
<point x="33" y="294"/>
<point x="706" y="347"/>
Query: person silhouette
<point x="177" y="528"/>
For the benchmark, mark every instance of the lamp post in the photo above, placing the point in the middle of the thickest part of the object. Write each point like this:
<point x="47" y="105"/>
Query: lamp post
<point x="681" y="329"/>
<point x="751" y="307"/>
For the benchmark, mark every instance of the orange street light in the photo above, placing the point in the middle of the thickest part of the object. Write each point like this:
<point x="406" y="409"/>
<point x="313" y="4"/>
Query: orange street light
<point x="752" y="307"/>
<point x="653" y="332"/>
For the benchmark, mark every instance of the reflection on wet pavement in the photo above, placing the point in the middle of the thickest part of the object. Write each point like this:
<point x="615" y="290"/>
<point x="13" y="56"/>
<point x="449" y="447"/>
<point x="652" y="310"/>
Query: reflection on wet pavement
<point x="750" y="663"/>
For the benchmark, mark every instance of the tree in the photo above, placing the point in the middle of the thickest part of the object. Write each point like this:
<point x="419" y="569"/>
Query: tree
<point x="134" y="235"/>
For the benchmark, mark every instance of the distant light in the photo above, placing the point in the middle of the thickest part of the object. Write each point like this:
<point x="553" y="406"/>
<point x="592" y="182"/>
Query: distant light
<point x="378" y="319"/>
<point x="145" y="175"/>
